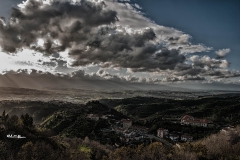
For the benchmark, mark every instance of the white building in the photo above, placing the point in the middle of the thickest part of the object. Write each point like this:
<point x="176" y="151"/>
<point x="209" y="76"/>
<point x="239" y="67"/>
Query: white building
<point x="190" y="120"/>
<point x="162" y="133"/>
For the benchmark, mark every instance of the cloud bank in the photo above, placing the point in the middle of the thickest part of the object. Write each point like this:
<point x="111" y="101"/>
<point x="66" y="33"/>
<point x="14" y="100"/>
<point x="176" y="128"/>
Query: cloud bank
<point x="88" y="31"/>
<point x="104" y="81"/>
<point x="78" y="79"/>
<point x="108" y="34"/>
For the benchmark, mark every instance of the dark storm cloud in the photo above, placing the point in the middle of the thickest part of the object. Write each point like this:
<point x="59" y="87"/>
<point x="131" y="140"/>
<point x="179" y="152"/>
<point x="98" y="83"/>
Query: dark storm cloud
<point x="203" y="67"/>
<point x="191" y="71"/>
<point x="215" y="74"/>
<point x="118" y="52"/>
<point x="87" y="30"/>
<point x="63" y="21"/>
<point x="91" y="35"/>
<point x="183" y="39"/>
<point x="211" y="73"/>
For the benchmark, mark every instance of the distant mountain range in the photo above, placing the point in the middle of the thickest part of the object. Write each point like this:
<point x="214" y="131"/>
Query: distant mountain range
<point x="40" y="81"/>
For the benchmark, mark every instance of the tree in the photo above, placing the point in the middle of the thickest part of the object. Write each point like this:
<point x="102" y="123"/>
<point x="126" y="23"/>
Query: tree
<point x="123" y="153"/>
<point x="27" y="120"/>
<point x="3" y="151"/>
<point x="156" y="151"/>
<point x="26" y="151"/>
<point x="4" y="116"/>
<point x="13" y="122"/>
<point x="37" y="151"/>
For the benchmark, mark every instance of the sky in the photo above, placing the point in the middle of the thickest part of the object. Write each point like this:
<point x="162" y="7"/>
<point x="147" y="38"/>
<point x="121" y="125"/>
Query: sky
<point x="213" y="23"/>
<point x="166" y="42"/>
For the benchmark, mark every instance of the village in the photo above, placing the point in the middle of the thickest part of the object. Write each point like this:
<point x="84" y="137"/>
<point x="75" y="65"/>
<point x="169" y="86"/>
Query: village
<point x="129" y="133"/>
<point x="135" y="134"/>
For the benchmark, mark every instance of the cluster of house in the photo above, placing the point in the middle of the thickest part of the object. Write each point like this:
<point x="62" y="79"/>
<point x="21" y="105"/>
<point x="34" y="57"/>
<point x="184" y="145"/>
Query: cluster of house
<point x="185" y="120"/>
<point x="164" y="133"/>
<point x="190" y="120"/>
<point x="130" y="132"/>
<point x="96" y="117"/>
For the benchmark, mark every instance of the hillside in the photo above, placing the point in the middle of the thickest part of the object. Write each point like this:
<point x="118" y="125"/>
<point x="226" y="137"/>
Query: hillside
<point x="68" y="129"/>
<point x="221" y="109"/>
<point x="36" y="109"/>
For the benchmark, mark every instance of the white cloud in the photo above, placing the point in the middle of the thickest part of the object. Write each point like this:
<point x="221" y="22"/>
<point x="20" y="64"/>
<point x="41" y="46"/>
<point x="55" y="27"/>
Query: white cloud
<point x="137" y="6"/>
<point x="128" y="16"/>
<point x="26" y="59"/>
<point x="222" y="52"/>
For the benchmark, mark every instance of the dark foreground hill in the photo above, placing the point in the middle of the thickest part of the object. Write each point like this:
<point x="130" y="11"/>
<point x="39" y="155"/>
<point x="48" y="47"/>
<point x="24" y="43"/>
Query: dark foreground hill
<point x="64" y="130"/>
<point x="221" y="109"/>
<point x="36" y="109"/>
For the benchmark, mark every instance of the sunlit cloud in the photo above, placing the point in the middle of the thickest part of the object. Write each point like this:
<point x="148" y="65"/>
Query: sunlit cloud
<point x="26" y="59"/>
<point x="112" y="40"/>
